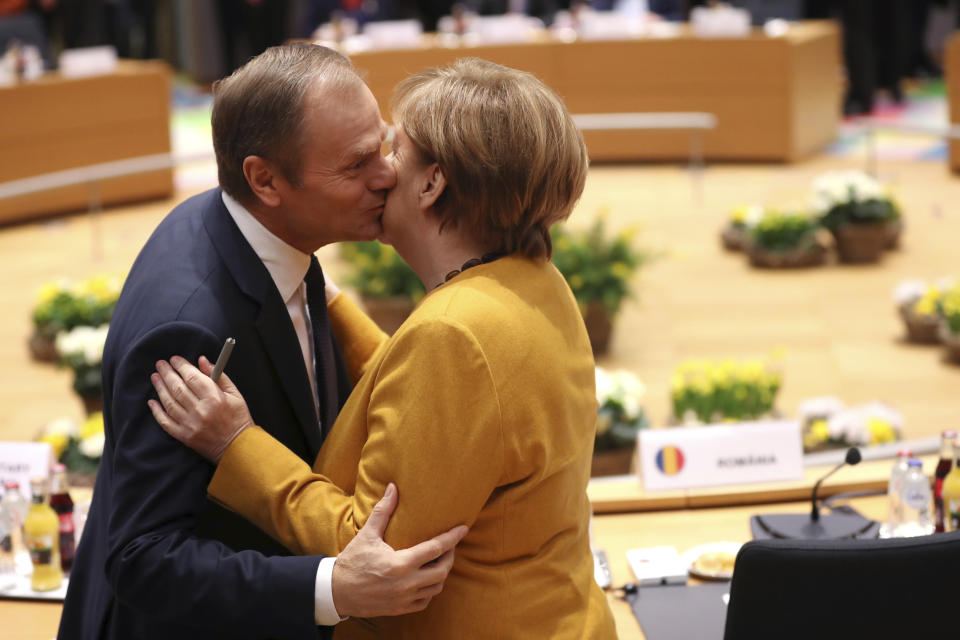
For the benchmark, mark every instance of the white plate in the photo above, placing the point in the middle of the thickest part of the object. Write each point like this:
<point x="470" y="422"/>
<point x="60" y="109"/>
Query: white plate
<point x="690" y="556"/>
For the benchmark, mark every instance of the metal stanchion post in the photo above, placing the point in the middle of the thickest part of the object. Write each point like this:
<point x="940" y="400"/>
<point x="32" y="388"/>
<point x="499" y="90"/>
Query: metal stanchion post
<point x="96" y="226"/>
<point x="696" y="166"/>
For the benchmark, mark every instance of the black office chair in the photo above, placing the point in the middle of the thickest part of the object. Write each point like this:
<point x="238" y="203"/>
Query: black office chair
<point x="846" y="589"/>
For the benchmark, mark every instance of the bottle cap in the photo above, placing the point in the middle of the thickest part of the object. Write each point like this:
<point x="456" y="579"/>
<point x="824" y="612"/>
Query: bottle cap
<point x="905" y="453"/>
<point x="949" y="433"/>
<point x="11" y="484"/>
<point x="58" y="467"/>
<point x="913" y="462"/>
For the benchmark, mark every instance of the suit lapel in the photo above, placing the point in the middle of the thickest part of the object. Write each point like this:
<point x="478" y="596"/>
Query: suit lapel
<point x="273" y="322"/>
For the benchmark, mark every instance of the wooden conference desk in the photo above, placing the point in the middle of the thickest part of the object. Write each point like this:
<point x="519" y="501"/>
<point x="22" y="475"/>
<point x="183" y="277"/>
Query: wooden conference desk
<point x="683" y="529"/>
<point x="56" y="123"/>
<point x="776" y="99"/>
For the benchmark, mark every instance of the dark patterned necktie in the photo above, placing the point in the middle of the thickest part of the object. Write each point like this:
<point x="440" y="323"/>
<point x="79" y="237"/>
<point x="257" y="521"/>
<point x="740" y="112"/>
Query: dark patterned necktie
<point x="325" y="366"/>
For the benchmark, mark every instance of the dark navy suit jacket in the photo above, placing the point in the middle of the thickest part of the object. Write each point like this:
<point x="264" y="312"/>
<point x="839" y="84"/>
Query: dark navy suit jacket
<point x="157" y="558"/>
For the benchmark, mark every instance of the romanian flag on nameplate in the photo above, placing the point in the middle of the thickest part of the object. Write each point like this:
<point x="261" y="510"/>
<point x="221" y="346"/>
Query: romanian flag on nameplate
<point x="670" y="460"/>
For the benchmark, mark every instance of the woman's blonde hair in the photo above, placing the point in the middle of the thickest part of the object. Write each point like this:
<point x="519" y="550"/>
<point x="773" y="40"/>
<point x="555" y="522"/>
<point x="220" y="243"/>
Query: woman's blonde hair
<point x="513" y="159"/>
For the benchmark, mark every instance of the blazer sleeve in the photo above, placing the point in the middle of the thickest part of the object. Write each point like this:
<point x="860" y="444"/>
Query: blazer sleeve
<point x="154" y="562"/>
<point x="358" y="335"/>
<point x="434" y="429"/>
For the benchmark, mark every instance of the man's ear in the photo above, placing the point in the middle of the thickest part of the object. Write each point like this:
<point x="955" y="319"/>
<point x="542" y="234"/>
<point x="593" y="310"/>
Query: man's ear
<point x="262" y="180"/>
<point x="434" y="184"/>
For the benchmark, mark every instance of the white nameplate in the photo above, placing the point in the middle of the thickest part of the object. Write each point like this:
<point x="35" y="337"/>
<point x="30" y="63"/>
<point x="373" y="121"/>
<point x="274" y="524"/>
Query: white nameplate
<point x="21" y="461"/>
<point x="681" y="458"/>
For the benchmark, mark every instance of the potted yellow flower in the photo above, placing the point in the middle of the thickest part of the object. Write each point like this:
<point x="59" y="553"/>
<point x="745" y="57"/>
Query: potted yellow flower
<point x="388" y="287"/>
<point x="598" y="267"/>
<point x="950" y="324"/>
<point x="919" y="304"/>
<point x="62" y="306"/>
<point x="734" y="236"/>
<point x="79" y="447"/>
<point x="706" y="392"/>
<point x="783" y="240"/>
<point x="840" y="427"/>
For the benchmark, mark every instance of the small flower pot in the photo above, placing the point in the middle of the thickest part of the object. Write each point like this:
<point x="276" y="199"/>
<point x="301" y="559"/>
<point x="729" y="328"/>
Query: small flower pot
<point x="812" y="255"/>
<point x="921" y="329"/>
<point x="734" y="237"/>
<point x="951" y="342"/>
<point x="599" y="327"/>
<point x="894" y="231"/>
<point x="92" y="403"/>
<point x="43" y="346"/>
<point x="615" y="462"/>
<point x="861" y="243"/>
<point x="389" y="313"/>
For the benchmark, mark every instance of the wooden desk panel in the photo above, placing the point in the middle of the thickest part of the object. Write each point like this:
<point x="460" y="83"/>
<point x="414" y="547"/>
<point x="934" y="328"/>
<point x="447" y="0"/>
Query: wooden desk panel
<point x="776" y="99"/>
<point x="60" y="123"/>
<point x="951" y="68"/>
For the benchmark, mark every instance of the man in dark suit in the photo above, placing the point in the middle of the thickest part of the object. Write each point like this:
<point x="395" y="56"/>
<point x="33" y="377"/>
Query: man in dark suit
<point x="297" y="137"/>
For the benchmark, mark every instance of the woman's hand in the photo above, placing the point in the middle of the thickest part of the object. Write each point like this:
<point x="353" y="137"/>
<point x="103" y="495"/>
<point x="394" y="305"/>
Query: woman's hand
<point x="202" y="414"/>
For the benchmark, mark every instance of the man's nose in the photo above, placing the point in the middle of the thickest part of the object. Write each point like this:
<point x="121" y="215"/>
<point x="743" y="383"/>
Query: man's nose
<point x="386" y="175"/>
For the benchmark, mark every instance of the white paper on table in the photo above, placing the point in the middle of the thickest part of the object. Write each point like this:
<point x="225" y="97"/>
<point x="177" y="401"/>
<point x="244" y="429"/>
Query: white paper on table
<point x="657" y="566"/>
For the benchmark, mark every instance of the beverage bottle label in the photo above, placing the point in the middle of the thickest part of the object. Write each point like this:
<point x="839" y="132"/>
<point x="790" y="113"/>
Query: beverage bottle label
<point x="953" y="514"/>
<point x="66" y="522"/>
<point x="916" y="499"/>
<point x="41" y="549"/>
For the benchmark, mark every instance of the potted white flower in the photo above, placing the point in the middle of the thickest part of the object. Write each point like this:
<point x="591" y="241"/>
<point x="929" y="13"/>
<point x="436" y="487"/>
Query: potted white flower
<point x="620" y="416"/>
<point x="859" y="212"/>
<point x="81" y="349"/>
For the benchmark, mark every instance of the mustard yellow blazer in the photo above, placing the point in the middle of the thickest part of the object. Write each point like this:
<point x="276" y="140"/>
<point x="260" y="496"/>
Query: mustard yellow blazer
<point x="481" y="409"/>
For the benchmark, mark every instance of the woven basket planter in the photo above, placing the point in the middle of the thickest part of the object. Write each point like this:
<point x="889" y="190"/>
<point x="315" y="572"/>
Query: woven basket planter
<point x="951" y="342"/>
<point x="615" y="462"/>
<point x="734" y="238"/>
<point x="894" y="231"/>
<point x="42" y="346"/>
<point x="810" y="256"/>
<point x="921" y="329"/>
<point x="599" y="327"/>
<point x="861" y="243"/>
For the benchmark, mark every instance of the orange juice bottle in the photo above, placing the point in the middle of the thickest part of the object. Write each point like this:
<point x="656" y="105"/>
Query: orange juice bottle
<point x="951" y="494"/>
<point x="42" y="536"/>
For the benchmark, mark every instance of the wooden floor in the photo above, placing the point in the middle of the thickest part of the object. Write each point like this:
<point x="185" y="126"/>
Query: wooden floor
<point x="836" y="323"/>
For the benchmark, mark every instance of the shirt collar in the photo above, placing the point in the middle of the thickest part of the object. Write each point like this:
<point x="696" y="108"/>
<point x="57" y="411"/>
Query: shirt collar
<point x="287" y="265"/>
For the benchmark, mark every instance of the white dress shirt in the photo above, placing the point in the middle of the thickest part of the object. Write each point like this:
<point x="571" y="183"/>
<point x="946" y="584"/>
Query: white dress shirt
<point x="287" y="267"/>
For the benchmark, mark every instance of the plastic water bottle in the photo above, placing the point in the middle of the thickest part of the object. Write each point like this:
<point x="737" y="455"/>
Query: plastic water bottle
<point x="894" y="509"/>
<point x="915" y="499"/>
<point x="8" y="572"/>
<point x="16" y="506"/>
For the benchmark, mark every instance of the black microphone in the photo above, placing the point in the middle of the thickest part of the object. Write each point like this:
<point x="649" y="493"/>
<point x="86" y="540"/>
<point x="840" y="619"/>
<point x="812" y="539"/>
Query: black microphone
<point x="853" y="457"/>
<point x="846" y="524"/>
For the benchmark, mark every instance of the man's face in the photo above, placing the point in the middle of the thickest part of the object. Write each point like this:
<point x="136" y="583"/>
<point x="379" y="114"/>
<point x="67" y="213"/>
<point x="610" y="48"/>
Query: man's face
<point x="344" y="177"/>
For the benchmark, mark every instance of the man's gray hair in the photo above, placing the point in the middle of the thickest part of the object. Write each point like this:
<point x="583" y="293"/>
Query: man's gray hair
<point x="258" y="110"/>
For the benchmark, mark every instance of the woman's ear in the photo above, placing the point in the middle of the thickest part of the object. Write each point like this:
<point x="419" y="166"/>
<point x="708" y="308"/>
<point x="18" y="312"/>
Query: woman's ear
<point x="262" y="180"/>
<point x="433" y="186"/>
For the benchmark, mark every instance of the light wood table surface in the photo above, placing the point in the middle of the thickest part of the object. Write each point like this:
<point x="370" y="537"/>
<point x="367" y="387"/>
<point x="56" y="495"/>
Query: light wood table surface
<point x="616" y="534"/>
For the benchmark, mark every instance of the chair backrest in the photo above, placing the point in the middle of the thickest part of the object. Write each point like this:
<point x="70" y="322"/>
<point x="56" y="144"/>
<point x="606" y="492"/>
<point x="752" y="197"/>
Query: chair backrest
<point x="877" y="589"/>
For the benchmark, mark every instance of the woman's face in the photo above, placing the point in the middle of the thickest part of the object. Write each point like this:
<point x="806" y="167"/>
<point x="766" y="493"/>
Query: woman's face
<point x="403" y="219"/>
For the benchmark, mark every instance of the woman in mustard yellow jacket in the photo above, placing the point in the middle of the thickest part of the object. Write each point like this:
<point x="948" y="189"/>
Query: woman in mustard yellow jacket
<point x="481" y="408"/>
